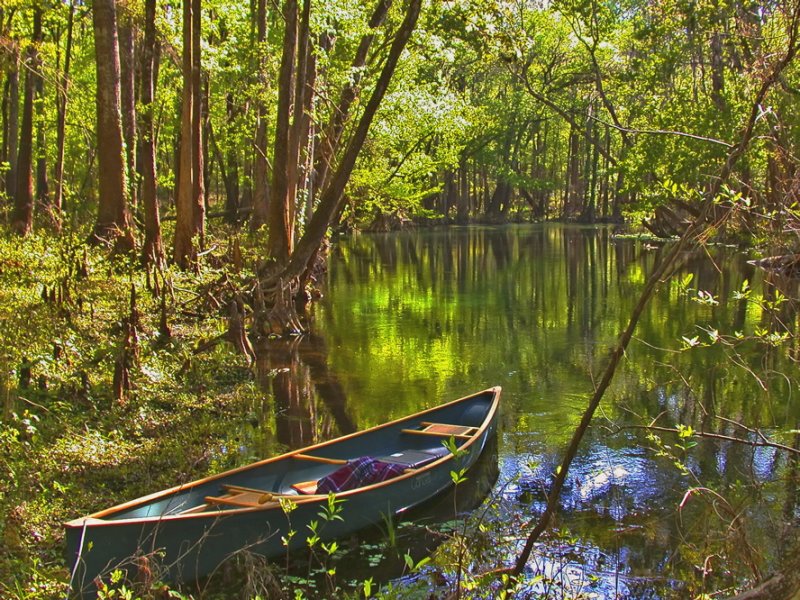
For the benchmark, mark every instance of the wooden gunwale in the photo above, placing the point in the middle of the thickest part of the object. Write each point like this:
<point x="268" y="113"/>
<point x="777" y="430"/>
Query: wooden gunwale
<point x="96" y="519"/>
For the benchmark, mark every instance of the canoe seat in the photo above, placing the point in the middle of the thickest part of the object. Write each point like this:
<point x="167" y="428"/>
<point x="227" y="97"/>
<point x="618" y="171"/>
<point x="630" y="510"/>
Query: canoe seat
<point x="444" y="430"/>
<point x="237" y="495"/>
<point x="305" y="487"/>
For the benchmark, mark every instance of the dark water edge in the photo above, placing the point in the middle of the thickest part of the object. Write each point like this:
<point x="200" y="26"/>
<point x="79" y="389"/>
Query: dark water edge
<point x="412" y="319"/>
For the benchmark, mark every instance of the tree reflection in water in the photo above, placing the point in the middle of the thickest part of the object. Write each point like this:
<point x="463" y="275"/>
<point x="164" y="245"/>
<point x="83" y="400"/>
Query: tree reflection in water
<point x="416" y="317"/>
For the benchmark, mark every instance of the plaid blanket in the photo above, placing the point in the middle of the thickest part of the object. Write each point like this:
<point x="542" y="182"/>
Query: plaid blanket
<point x="358" y="473"/>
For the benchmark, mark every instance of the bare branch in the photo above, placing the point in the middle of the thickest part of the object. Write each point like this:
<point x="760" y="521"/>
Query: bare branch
<point x="634" y="131"/>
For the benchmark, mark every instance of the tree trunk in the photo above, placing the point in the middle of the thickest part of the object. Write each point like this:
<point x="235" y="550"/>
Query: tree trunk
<point x="198" y="166"/>
<point x="128" y="98"/>
<point x="303" y="155"/>
<point x="113" y="218"/>
<point x="329" y="143"/>
<point x="280" y="226"/>
<point x="42" y="187"/>
<point x="22" y="215"/>
<point x="152" y="249"/>
<point x="185" y="251"/>
<point x="302" y="82"/>
<point x="717" y="72"/>
<point x="260" y="170"/>
<point x="588" y="211"/>
<point x="462" y="192"/>
<point x="573" y="193"/>
<point x="12" y="128"/>
<point x="228" y="166"/>
<point x="62" y="98"/>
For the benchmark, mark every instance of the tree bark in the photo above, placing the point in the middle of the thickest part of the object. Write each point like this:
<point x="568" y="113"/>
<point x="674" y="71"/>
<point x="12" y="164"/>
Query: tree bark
<point x="260" y="167"/>
<point x="280" y="226"/>
<point x="153" y="248"/>
<point x="62" y="99"/>
<point x="113" y="218"/>
<point x="12" y="128"/>
<point x="128" y="97"/>
<point x="198" y="166"/>
<point x="304" y="81"/>
<point x="462" y="192"/>
<point x="42" y="187"/>
<point x="185" y="251"/>
<point x="22" y="215"/>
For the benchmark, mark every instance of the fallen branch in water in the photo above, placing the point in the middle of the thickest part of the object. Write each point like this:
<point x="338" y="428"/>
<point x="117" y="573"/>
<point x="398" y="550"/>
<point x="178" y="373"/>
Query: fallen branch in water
<point x="762" y="442"/>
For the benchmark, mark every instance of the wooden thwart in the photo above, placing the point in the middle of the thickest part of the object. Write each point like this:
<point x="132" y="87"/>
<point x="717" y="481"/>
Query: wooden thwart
<point x="322" y="459"/>
<point x="240" y="488"/>
<point x="233" y="500"/>
<point x="444" y="430"/>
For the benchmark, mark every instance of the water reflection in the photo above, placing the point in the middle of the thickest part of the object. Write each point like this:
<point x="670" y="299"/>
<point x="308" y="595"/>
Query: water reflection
<point x="414" y="318"/>
<point x="310" y="404"/>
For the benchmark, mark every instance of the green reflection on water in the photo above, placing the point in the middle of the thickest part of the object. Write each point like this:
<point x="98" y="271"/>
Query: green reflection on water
<point x="414" y="318"/>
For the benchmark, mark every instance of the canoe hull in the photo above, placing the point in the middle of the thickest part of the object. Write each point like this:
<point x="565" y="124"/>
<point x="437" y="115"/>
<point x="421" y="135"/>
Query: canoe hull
<point x="183" y="547"/>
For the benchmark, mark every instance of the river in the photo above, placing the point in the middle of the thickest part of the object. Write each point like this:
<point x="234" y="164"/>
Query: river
<point x="411" y="319"/>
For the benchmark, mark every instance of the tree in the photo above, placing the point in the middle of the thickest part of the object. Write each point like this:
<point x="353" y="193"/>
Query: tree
<point x="127" y="34"/>
<point x="11" y="119"/>
<point x="62" y="99"/>
<point x="113" y="217"/>
<point x="328" y="208"/>
<point x="22" y="217"/>
<point x="289" y="264"/>
<point x="152" y="248"/>
<point x="184" y="251"/>
<point x="190" y="196"/>
<point x="260" y="170"/>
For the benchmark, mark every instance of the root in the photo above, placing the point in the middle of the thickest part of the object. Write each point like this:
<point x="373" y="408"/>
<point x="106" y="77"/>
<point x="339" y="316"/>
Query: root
<point x="282" y="318"/>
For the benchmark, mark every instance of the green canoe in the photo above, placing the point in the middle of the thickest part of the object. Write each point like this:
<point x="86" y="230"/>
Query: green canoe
<point x="188" y="531"/>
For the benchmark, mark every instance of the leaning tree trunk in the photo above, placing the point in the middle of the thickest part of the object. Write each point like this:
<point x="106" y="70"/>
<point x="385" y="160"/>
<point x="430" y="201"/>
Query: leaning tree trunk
<point x="326" y="148"/>
<point x="283" y="283"/>
<point x="113" y="218"/>
<point x="661" y="273"/>
<point x="331" y="198"/>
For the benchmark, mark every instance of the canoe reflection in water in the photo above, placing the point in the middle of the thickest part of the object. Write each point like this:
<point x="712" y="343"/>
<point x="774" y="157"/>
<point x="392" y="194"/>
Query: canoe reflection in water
<point x="195" y="527"/>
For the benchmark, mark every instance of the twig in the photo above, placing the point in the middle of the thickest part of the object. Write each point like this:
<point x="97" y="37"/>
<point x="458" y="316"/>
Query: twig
<point x="635" y="131"/>
<point x="762" y="442"/>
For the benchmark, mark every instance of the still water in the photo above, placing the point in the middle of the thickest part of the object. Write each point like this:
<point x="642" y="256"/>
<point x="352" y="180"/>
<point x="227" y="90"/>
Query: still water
<point x="411" y="319"/>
